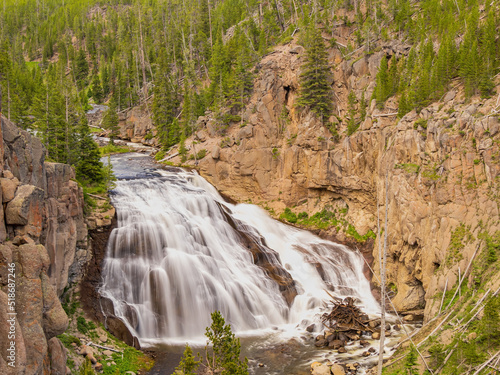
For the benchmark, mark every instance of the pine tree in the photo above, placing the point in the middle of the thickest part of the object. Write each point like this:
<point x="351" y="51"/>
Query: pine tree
<point x="88" y="165"/>
<point x="188" y="364"/>
<point x="382" y="90"/>
<point x="315" y="90"/>
<point x="97" y="91"/>
<point x="105" y="81"/>
<point x="352" y="124"/>
<point x="110" y="121"/>
<point x="81" y="68"/>
<point x="411" y="362"/>
<point x="226" y="348"/>
<point x="490" y="323"/>
<point x="404" y="105"/>
<point x="166" y="105"/>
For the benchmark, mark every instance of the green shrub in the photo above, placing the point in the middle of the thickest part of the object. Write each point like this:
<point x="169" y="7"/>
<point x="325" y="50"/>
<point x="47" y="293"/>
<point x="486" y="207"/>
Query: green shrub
<point x="160" y="155"/>
<point x="289" y="216"/>
<point x="188" y="365"/>
<point x="303" y="215"/>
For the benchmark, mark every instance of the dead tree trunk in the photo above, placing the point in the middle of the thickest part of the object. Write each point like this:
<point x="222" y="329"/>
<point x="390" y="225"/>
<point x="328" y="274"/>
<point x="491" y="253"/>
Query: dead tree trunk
<point x="382" y="281"/>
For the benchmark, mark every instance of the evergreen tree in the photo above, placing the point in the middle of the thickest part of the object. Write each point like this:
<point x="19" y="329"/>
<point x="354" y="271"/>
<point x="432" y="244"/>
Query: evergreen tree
<point x="315" y="90"/>
<point x="382" y="90"/>
<point x="490" y="323"/>
<point x="81" y="68"/>
<point x="188" y="364"/>
<point x="165" y="107"/>
<point x="105" y="81"/>
<point x="411" y="362"/>
<point x="97" y="91"/>
<point x="110" y="121"/>
<point x="88" y="166"/>
<point x="352" y="124"/>
<point x="226" y="348"/>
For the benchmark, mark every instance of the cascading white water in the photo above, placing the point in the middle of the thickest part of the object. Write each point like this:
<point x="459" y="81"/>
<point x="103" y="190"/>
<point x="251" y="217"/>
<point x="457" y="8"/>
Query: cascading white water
<point x="175" y="257"/>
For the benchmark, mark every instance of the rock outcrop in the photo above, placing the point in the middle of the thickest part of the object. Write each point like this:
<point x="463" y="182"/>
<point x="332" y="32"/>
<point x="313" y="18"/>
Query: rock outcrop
<point x="41" y="229"/>
<point x="136" y="126"/>
<point x="442" y="167"/>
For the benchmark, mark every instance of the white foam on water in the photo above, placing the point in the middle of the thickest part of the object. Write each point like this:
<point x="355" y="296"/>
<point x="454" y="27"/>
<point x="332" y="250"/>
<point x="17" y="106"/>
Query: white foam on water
<point x="174" y="259"/>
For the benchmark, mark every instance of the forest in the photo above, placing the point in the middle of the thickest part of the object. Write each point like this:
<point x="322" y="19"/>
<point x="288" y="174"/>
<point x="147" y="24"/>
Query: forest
<point x="184" y="58"/>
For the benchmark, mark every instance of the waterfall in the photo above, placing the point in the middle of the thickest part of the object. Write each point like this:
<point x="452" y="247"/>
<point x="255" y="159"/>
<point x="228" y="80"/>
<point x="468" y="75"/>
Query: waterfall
<point x="180" y="252"/>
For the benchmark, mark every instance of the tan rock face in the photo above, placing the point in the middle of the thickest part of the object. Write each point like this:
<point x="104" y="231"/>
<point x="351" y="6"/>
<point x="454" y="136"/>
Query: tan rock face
<point x="135" y="125"/>
<point x="64" y="228"/>
<point x="438" y="178"/>
<point x="44" y="206"/>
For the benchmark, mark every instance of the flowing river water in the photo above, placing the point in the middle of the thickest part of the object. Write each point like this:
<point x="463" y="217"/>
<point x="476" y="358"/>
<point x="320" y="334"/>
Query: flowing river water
<point x="180" y="252"/>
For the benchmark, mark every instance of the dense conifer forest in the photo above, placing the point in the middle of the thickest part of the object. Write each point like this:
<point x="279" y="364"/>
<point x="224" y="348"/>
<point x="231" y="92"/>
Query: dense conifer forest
<point x="183" y="58"/>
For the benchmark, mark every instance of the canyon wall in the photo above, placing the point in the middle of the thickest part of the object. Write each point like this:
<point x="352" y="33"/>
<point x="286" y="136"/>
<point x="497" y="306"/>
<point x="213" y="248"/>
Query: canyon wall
<point x="44" y="236"/>
<point x="441" y="166"/>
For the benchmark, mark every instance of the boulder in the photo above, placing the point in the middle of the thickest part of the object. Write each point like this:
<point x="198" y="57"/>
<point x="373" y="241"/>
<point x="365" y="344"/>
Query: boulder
<point x="450" y="95"/>
<point x="321" y="343"/>
<point x="335" y="344"/>
<point x="121" y="332"/>
<point x="376" y="335"/>
<point x="201" y="136"/>
<point x="337" y="369"/>
<point x="9" y="187"/>
<point x="297" y="50"/>
<point x="360" y="67"/>
<point x="215" y="152"/>
<point x="245" y="132"/>
<point x="26" y="205"/>
<point x="319" y="369"/>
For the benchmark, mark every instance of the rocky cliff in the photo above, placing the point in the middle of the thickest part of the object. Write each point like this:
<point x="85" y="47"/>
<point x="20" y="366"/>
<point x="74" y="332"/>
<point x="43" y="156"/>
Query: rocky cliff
<point x="441" y="166"/>
<point x="43" y="243"/>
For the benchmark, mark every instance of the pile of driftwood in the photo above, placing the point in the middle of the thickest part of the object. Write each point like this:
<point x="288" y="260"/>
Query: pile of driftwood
<point x="347" y="323"/>
<point x="345" y="316"/>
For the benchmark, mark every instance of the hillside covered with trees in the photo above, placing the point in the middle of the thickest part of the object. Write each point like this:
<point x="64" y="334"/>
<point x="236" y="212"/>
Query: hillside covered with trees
<point x="184" y="58"/>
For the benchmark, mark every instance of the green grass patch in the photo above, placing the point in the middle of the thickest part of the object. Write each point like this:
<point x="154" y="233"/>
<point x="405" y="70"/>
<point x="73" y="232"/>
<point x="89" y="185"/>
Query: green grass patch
<point x="325" y="219"/>
<point x="408" y="167"/>
<point x="67" y="340"/>
<point x="132" y="360"/>
<point x="84" y="326"/>
<point x="199" y="155"/>
<point x="460" y="237"/>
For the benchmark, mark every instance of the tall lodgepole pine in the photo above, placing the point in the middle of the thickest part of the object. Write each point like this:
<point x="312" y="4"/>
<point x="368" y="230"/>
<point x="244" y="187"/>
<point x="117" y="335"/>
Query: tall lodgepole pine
<point x="315" y="90"/>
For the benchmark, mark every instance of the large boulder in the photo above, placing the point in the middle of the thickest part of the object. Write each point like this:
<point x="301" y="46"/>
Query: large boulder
<point x="25" y="208"/>
<point x="9" y="186"/>
<point x="320" y="369"/>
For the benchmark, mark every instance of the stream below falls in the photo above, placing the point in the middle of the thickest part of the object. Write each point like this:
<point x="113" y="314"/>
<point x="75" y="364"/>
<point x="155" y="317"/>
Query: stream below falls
<point x="180" y="252"/>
